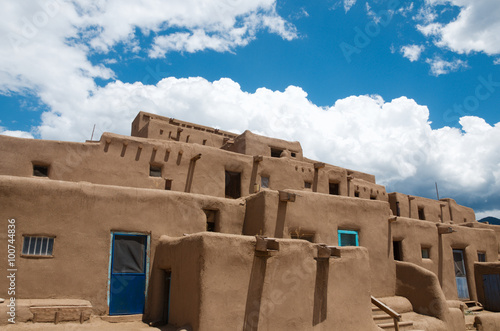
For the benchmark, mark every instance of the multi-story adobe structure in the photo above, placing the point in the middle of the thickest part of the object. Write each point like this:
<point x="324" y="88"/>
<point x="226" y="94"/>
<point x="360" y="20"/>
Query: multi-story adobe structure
<point x="196" y="226"/>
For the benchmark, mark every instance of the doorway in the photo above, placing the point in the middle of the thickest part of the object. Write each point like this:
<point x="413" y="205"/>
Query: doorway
<point x="127" y="284"/>
<point x="460" y="274"/>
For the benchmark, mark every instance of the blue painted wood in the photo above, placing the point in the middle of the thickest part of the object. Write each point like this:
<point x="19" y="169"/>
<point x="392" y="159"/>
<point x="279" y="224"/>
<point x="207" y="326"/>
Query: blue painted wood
<point x="491" y="285"/>
<point x="128" y="274"/>
<point x="460" y="274"/>
<point x="348" y="238"/>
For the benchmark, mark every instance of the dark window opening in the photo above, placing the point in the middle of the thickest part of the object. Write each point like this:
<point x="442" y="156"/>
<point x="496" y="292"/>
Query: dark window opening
<point x="211" y="220"/>
<point x="307" y="184"/>
<point x="426" y="253"/>
<point x="233" y="184"/>
<point x="264" y="182"/>
<point x="421" y="213"/>
<point x="356" y="194"/>
<point x="293" y="154"/>
<point x="168" y="184"/>
<point x="398" y="210"/>
<point x="204" y="141"/>
<point x="187" y="139"/>
<point x="397" y="249"/>
<point x="333" y="188"/>
<point x="161" y="132"/>
<point x="304" y="236"/>
<point x="481" y="256"/>
<point x="40" y="170"/>
<point x="154" y="171"/>
<point x="275" y="152"/>
<point x="373" y="197"/>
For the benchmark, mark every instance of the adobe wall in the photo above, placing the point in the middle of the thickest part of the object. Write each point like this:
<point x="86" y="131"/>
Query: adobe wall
<point x="147" y="125"/>
<point x="442" y="211"/>
<point x="253" y="144"/>
<point x="81" y="216"/>
<point x="495" y="228"/>
<point x="322" y="215"/>
<point x="416" y="234"/>
<point x="289" y="290"/>
<point x="125" y="161"/>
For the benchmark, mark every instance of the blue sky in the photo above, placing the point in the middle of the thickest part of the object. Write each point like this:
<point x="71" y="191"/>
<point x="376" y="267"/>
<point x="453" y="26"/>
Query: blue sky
<point x="406" y="90"/>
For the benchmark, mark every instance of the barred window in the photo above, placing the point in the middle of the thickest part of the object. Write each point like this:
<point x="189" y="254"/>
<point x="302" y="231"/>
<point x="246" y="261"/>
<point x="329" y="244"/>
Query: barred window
<point x="38" y="246"/>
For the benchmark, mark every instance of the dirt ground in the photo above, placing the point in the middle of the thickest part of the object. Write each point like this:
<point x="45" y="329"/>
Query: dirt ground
<point x="95" y="323"/>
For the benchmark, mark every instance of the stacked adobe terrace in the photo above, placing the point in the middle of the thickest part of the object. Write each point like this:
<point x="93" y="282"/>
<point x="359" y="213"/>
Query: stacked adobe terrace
<point x="173" y="212"/>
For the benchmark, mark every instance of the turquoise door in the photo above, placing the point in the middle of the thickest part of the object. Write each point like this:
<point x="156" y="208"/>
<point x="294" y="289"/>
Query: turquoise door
<point x="460" y="274"/>
<point x="128" y="274"/>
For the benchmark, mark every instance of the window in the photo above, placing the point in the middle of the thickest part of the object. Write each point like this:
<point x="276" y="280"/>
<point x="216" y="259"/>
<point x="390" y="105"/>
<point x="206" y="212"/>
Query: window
<point x="293" y="154"/>
<point x="276" y="152"/>
<point x="211" y="220"/>
<point x="397" y="246"/>
<point x="168" y="184"/>
<point x="421" y="213"/>
<point x="426" y="253"/>
<point x="154" y="171"/>
<point x="40" y="170"/>
<point x="373" y="197"/>
<point x="481" y="256"/>
<point x="307" y="184"/>
<point x="264" y="182"/>
<point x="348" y="238"/>
<point x="38" y="246"/>
<point x="356" y="194"/>
<point x="333" y="188"/>
<point x="304" y="236"/>
<point x="233" y="184"/>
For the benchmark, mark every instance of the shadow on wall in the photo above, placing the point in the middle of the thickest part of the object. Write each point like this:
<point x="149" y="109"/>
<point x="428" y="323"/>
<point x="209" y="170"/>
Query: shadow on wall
<point x="254" y="295"/>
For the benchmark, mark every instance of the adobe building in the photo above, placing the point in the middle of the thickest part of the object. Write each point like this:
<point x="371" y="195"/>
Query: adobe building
<point x="194" y="226"/>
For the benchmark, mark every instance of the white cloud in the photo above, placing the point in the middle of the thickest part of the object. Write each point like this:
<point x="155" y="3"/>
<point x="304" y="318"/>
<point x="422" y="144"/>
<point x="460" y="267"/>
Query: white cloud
<point x="475" y="29"/>
<point x="16" y="133"/>
<point x="348" y="4"/>
<point x="442" y="67"/>
<point x="412" y="52"/>
<point x="486" y="213"/>
<point x="60" y="35"/>
<point x="496" y="61"/>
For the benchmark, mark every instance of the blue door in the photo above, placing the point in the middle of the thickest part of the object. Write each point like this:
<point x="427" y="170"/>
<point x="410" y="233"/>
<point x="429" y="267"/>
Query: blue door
<point x="128" y="274"/>
<point x="460" y="274"/>
<point x="491" y="285"/>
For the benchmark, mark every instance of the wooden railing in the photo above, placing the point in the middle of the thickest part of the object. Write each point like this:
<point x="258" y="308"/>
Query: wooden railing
<point x="389" y="311"/>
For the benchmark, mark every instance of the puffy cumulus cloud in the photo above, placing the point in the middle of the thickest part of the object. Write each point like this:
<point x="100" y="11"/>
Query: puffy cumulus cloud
<point x="475" y="29"/>
<point x="391" y="139"/>
<point x="440" y="66"/>
<point x="412" y="52"/>
<point x="16" y="133"/>
<point x="45" y="44"/>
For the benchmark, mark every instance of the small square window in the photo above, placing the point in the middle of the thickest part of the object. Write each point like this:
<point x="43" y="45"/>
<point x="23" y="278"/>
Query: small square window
<point x="356" y="194"/>
<point x="264" y="182"/>
<point x="307" y="184"/>
<point x="154" y="171"/>
<point x="333" y="188"/>
<point x="40" y="170"/>
<point x="426" y="253"/>
<point x="373" y="197"/>
<point x="481" y="256"/>
<point x="348" y="238"/>
<point x="38" y="246"/>
<point x="275" y="152"/>
<point x="293" y="154"/>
